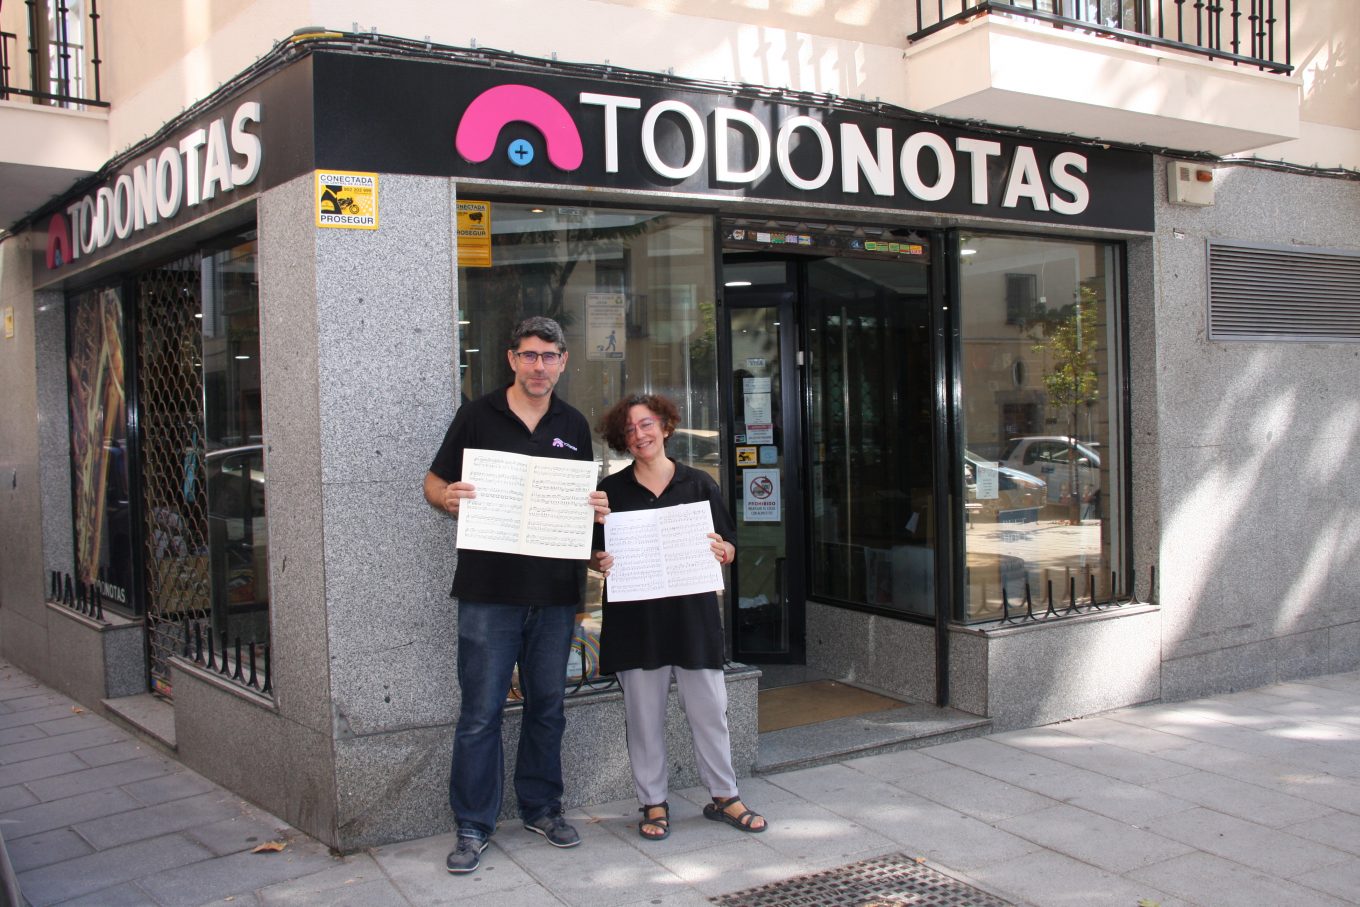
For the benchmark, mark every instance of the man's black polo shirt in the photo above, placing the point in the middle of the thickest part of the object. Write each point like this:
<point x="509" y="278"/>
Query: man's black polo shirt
<point x="488" y="424"/>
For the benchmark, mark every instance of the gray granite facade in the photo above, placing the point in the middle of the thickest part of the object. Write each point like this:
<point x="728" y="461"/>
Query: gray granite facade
<point x="23" y="480"/>
<point x="1253" y="446"/>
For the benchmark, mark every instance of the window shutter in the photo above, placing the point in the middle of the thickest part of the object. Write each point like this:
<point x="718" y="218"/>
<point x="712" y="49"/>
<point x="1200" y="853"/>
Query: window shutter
<point x="1289" y="293"/>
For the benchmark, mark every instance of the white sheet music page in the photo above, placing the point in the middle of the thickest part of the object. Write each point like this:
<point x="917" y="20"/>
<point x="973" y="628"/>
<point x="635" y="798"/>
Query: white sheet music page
<point x="527" y="505"/>
<point x="660" y="553"/>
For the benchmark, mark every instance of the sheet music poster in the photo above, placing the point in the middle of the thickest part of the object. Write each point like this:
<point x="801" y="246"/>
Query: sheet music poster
<point x="527" y="505"/>
<point x="660" y="553"/>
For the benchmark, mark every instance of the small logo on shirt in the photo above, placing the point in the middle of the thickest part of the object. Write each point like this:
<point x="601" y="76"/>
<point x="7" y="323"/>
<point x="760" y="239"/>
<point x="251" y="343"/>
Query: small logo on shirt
<point x="558" y="442"/>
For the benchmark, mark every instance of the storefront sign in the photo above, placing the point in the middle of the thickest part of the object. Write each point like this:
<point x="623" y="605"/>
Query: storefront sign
<point x="474" y="234"/>
<point x="542" y="128"/>
<point x="346" y="199"/>
<point x="207" y="161"/>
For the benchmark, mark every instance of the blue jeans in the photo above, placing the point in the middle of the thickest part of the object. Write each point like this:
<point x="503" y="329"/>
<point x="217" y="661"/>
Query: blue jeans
<point x="491" y="639"/>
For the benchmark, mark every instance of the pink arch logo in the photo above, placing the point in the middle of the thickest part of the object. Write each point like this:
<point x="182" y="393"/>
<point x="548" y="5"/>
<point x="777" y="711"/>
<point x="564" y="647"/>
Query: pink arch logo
<point x="491" y="110"/>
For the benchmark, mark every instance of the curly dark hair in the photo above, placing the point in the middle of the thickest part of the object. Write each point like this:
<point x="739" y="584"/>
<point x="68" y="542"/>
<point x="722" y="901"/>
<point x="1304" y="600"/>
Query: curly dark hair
<point x="613" y="424"/>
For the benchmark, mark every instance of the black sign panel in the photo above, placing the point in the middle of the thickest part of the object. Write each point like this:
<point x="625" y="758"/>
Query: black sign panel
<point x="461" y="120"/>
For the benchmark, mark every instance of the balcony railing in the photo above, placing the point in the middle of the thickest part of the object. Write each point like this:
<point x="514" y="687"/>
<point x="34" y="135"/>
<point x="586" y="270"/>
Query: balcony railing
<point x="1246" y="32"/>
<point x="62" y="50"/>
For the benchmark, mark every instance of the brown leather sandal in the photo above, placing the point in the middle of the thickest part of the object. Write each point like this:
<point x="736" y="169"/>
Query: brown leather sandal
<point x="661" y="822"/>
<point x="743" y="821"/>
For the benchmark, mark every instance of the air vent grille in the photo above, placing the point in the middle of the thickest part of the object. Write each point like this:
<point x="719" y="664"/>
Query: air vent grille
<point x="1273" y="293"/>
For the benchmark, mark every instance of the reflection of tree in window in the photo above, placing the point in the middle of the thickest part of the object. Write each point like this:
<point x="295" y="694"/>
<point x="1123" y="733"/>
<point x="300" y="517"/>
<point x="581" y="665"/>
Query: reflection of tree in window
<point x="1071" y="378"/>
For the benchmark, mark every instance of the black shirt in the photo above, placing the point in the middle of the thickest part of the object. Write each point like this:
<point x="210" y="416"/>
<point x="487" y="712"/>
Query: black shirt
<point x="488" y="424"/>
<point x="683" y="631"/>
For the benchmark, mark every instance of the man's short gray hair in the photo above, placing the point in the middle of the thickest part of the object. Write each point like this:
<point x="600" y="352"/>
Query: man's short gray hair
<point x="541" y="327"/>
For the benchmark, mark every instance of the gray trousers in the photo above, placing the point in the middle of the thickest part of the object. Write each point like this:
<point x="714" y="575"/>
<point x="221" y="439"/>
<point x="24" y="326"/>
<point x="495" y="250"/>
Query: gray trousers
<point x="703" y="696"/>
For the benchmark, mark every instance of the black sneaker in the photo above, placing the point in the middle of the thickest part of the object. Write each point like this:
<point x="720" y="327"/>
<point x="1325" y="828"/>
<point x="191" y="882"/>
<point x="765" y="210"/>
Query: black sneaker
<point x="555" y="829"/>
<point x="467" y="856"/>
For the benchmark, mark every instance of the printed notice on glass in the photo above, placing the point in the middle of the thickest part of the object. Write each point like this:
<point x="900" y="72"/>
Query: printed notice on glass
<point x="660" y="553"/>
<point x="527" y="505"/>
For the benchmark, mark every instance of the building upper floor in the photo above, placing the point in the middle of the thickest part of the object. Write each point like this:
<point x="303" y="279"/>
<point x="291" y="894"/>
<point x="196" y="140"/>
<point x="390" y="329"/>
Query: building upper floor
<point x="82" y="80"/>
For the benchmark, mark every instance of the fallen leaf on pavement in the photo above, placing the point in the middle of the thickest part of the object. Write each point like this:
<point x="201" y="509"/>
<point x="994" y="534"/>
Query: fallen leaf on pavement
<point x="270" y="847"/>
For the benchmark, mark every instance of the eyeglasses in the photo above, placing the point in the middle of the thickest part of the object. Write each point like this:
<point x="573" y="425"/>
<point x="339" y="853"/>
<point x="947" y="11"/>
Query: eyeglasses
<point x="531" y="357"/>
<point x="640" y="425"/>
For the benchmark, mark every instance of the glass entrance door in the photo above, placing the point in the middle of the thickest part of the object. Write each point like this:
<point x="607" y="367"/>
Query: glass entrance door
<point x="767" y="578"/>
<point x="833" y="420"/>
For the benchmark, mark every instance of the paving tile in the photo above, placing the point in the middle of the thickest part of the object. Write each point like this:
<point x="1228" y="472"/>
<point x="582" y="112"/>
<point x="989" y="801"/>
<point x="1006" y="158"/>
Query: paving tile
<point x="20" y="733"/>
<point x="16" y="796"/>
<point x="976" y="795"/>
<point x="1238" y="798"/>
<point x="32" y="716"/>
<point x="1114" y="730"/>
<point x="241" y="832"/>
<point x="1133" y="804"/>
<point x="114" y="752"/>
<point x="71" y="724"/>
<point x="1095" y="756"/>
<point x="66" y="812"/>
<point x="417" y="870"/>
<point x="104" y="869"/>
<point x="36" y="851"/>
<point x="683" y="898"/>
<point x="66" y="743"/>
<point x="577" y="878"/>
<point x="1236" y="839"/>
<point x="996" y="760"/>
<point x="153" y="821"/>
<point x="720" y="869"/>
<point x="238" y="873"/>
<point x="356" y="882"/>
<point x="1055" y="880"/>
<point x="183" y="783"/>
<point x="895" y="768"/>
<point x="1211" y="881"/>
<point x="922" y="828"/>
<point x="1339" y="830"/>
<point x="38" y="697"/>
<point x="1341" y="880"/>
<point x="125" y="895"/>
<point x="815" y="836"/>
<point x="107" y="776"/>
<point x="33" y="769"/>
<point x="1104" y="843"/>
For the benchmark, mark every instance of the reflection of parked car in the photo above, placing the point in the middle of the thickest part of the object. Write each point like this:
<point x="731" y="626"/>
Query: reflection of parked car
<point x="1058" y="460"/>
<point x="1016" y="497"/>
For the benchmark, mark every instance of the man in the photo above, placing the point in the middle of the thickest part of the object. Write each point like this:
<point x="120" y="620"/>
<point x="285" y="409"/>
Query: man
<point x="511" y="607"/>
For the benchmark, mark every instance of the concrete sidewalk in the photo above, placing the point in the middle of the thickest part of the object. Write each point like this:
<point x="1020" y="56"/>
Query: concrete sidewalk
<point x="1243" y="799"/>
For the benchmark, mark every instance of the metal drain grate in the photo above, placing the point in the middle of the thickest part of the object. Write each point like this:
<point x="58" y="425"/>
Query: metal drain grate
<point x="895" y="880"/>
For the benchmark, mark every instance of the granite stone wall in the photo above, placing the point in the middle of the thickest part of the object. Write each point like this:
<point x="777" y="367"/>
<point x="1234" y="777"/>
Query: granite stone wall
<point x="1256" y="446"/>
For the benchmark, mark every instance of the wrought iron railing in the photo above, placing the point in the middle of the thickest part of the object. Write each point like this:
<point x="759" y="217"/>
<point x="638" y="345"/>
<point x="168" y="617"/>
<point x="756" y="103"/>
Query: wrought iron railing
<point x="1247" y="32"/>
<point x="63" y="55"/>
<point x="1074" y="604"/>
<point x="248" y="666"/>
<point x="82" y="598"/>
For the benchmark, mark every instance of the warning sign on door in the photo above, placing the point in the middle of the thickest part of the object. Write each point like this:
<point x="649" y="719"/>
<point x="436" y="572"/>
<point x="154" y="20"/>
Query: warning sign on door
<point x="347" y="199"/>
<point x="760" y="495"/>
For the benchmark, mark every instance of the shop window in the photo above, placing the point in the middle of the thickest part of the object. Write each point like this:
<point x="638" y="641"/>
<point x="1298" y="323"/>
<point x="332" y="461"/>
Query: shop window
<point x="233" y="458"/>
<point x="1041" y="421"/>
<point x="634" y="293"/>
<point x="100" y="498"/>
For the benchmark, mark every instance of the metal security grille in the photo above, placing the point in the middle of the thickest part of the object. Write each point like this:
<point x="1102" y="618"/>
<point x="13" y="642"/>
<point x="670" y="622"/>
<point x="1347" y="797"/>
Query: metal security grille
<point x="1274" y="293"/>
<point x="170" y="420"/>
<point x="895" y="879"/>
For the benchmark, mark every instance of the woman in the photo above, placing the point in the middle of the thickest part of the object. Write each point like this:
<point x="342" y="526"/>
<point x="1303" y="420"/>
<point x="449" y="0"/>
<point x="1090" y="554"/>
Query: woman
<point x="647" y="643"/>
